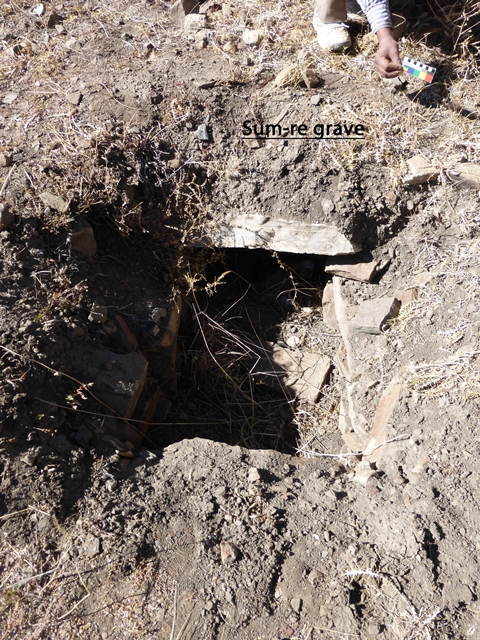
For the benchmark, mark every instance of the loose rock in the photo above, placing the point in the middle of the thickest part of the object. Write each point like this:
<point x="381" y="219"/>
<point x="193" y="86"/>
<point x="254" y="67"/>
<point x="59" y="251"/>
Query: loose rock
<point x="158" y="314"/>
<point x="328" y="307"/>
<point x="181" y="8"/>
<point x="38" y="10"/>
<point x="373" y="315"/>
<point x="296" y="604"/>
<point x="228" y="552"/>
<point x="373" y="452"/>
<point x="171" y="332"/>
<point x="118" y="379"/>
<point x="262" y="232"/>
<point x="254" y="475"/>
<point x="421" y="171"/>
<point x="287" y="76"/>
<point x="54" y="202"/>
<point x="9" y="98"/>
<point x="73" y="44"/>
<point x="350" y="268"/>
<point x="53" y="20"/>
<point x="74" y="97"/>
<point x="202" y="133"/>
<point x="466" y="175"/>
<point x="310" y="78"/>
<point x="300" y="373"/>
<point x="252" y="37"/>
<point x="293" y="341"/>
<point x="93" y="547"/>
<point x="364" y="474"/>
<point x="407" y="296"/>
<point x="124" y="337"/>
<point x="194" y="21"/>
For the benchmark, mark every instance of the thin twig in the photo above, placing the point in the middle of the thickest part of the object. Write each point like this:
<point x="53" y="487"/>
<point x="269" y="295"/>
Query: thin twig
<point x="74" y="607"/>
<point x="175" y="595"/>
<point x="7" y="179"/>
<point x="402" y="436"/>
<point x="184" y="625"/>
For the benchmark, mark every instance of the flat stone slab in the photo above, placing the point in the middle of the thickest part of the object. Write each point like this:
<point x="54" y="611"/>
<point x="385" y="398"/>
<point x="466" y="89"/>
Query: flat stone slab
<point x="299" y="373"/>
<point x="373" y="315"/>
<point x="262" y="232"/>
<point x="348" y="267"/>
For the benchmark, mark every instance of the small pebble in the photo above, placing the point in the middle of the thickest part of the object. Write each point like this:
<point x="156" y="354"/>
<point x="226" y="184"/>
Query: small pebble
<point x="202" y="133"/>
<point x="296" y="604"/>
<point x="228" y="552"/>
<point x="38" y="10"/>
<point x="253" y="475"/>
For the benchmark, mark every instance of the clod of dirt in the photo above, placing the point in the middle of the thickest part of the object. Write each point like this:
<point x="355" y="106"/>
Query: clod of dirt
<point x="5" y="160"/>
<point x="6" y="216"/>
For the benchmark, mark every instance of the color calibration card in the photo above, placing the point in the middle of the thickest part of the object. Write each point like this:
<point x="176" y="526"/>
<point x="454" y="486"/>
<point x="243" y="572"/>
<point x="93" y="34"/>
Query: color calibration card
<point x="418" y="69"/>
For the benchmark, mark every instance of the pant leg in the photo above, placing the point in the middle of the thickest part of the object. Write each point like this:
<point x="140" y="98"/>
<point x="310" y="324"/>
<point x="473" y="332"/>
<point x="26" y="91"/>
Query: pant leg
<point x="331" y="10"/>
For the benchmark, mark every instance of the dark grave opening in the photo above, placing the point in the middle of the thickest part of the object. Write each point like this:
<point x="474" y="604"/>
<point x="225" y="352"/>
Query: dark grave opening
<point x="226" y="391"/>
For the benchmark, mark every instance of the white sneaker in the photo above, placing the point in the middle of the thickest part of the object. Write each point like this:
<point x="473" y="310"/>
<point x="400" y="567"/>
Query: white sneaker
<point x="332" y="37"/>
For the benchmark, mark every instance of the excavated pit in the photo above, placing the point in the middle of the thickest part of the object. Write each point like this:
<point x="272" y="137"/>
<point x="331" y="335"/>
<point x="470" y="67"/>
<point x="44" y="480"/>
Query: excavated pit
<point x="231" y="387"/>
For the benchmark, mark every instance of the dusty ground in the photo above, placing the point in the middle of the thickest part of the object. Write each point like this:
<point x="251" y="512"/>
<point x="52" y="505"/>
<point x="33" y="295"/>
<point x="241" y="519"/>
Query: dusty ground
<point x="222" y="508"/>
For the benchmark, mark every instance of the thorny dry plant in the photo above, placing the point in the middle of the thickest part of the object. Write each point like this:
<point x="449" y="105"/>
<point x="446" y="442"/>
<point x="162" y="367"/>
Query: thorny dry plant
<point x="458" y="377"/>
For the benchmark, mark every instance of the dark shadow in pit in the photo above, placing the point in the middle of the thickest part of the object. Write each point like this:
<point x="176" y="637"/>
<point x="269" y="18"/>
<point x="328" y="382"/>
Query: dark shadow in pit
<point x="236" y="373"/>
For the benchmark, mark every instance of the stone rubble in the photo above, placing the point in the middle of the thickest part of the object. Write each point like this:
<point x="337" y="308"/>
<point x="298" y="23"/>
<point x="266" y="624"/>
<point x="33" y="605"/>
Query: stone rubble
<point x="310" y="78"/>
<point x="228" y="552"/>
<point x="379" y="431"/>
<point x="328" y="307"/>
<point x="194" y="22"/>
<point x="287" y="76"/>
<point x="6" y="159"/>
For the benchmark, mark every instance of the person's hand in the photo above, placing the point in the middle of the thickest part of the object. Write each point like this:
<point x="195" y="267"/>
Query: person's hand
<point x="387" y="61"/>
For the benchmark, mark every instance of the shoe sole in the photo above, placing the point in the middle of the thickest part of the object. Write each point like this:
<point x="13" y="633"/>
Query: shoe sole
<point x="337" y="48"/>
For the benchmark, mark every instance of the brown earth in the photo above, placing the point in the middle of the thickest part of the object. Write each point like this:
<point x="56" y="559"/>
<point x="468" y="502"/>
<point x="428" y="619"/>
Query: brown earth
<point x="197" y="499"/>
